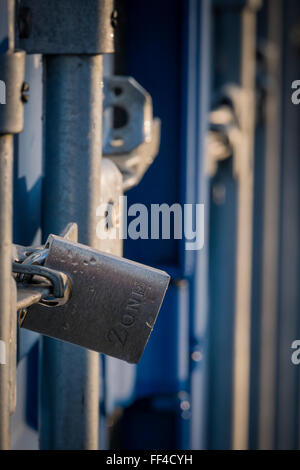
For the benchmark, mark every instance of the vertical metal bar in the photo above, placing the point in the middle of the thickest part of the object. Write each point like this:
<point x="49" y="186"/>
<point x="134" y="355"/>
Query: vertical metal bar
<point x="7" y="21"/>
<point x="6" y="175"/>
<point x="267" y="402"/>
<point x="69" y="412"/>
<point x="6" y="171"/>
<point x="241" y="380"/>
<point x="11" y="24"/>
<point x="198" y="104"/>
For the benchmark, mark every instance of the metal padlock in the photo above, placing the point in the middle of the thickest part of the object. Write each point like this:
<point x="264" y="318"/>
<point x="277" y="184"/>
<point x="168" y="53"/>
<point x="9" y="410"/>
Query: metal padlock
<point x="113" y="305"/>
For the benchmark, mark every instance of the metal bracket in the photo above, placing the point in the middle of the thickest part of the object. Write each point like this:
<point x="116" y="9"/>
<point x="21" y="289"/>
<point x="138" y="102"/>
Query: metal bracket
<point x="111" y="193"/>
<point x="66" y="26"/>
<point x="225" y="134"/>
<point x="12" y="72"/>
<point x="131" y="136"/>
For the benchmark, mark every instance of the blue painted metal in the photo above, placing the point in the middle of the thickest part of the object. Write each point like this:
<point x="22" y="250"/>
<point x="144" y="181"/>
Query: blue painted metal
<point x="227" y="19"/>
<point x="287" y="419"/>
<point x="177" y="77"/>
<point x="27" y="231"/>
<point x="69" y="400"/>
<point x="164" y="367"/>
<point x="221" y="279"/>
<point x="171" y="400"/>
<point x="28" y="178"/>
<point x="163" y="370"/>
<point x="198" y="90"/>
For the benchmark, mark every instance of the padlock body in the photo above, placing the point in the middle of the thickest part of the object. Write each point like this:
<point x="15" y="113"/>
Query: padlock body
<point x="113" y="306"/>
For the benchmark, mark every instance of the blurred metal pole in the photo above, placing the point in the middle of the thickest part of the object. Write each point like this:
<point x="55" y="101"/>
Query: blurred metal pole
<point x="69" y="410"/>
<point x="198" y="76"/>
<point x="242" y="347"/>
<point x="268" y="339"/>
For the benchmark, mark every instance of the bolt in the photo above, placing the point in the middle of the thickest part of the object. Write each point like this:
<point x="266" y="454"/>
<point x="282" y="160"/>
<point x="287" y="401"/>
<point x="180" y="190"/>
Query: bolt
<point x="114" y="19"/>
<point x="24" y="92"/>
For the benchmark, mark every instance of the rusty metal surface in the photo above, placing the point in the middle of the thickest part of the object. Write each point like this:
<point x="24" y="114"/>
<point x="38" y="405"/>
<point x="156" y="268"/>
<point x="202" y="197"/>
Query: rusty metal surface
<point x="114" y="301"/>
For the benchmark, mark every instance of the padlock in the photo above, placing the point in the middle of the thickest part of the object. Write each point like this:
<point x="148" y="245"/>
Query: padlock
<point x="113" y="305"/>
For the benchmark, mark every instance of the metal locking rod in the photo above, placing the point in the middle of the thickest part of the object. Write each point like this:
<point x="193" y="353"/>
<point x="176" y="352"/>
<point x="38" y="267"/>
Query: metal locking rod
<point x="72" y="44"/>
<point x="242" y="349"/>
